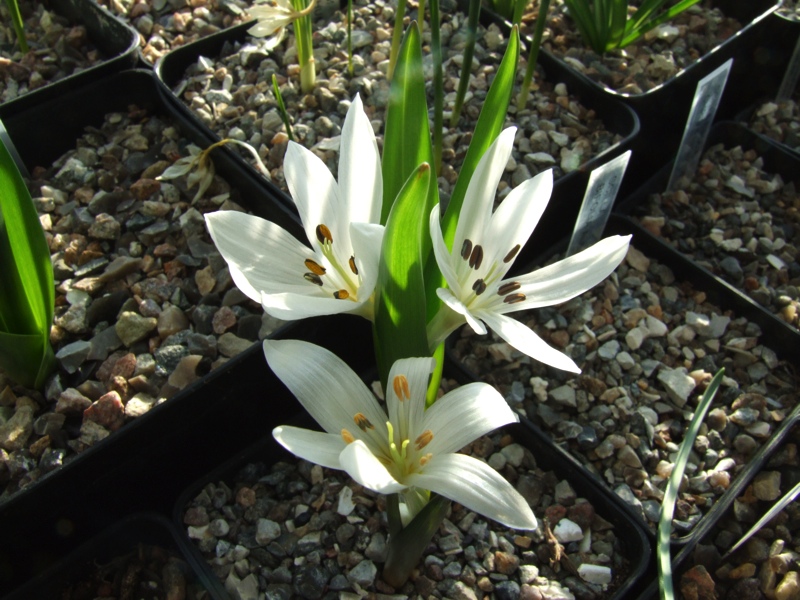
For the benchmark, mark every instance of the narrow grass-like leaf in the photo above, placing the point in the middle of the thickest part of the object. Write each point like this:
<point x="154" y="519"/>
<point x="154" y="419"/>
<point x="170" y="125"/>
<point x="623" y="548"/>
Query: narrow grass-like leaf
<point x="19" y="26"/>
<point x="473" y="15"/>
<point x="438" y="87"/>
<point x="636" y="31"/>
<point x="663" y="556"/>
<point x="399" y="328"/>
<point x="27" y="293"/>
<point x="533" y="55"/>
<point x="282" y="107"/>
<point x="397" y="36"/>
<point x="787" y="499"/>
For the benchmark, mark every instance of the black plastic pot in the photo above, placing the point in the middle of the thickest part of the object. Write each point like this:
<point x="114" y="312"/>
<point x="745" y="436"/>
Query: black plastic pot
<point x="663" y="110"/>
<point x="776" y="160"/>
<point x="140" y="540"/>
<point x="556" y="222"/>
<point x="116" y="40"/>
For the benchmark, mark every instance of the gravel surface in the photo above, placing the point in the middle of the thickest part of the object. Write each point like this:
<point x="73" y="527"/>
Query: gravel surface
<point x="779" y="121"/>
<point x="57" y="48"/>
<point x="293" y="529"/>
<point x="648" y="344"/>
<point x="766" y="564"/>
<point x="739" y="221"/>
<point x="144" y="303"/>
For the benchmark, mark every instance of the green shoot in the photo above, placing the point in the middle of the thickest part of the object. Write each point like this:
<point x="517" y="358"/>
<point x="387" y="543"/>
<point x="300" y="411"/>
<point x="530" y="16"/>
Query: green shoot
<point x="16" y="20"/>
<point x="533" y="56"/>
<point x="282" y="107"/>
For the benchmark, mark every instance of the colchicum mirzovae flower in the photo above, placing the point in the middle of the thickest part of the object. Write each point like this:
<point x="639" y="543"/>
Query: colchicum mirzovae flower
<point x="337" y="274"/>
<point x="484" y="249"/>
<point x="412" y="450"/>
<point x="273" y="17"/>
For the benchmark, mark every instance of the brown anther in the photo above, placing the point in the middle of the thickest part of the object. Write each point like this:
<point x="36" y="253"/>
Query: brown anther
<point x="507" y="288"/>
<point x="324" y="234"/>
<point x="476" y="258"/>
<point x="314" y="267"/>
<point x="353" y="267"/>
<point x="347" y="437"/>
<point x="363" y="422"/>
<point x="313" y="278"/>
<point x="479" y="287"/>
<point x="514" y="298"/>
<point x="341" y="294"/>
<point x="401" y="389"/>
<point x="425" y="459"/>
<point x="424" y="439"/>
<point x="511" y="254"/>
<point x="466" y="249"/>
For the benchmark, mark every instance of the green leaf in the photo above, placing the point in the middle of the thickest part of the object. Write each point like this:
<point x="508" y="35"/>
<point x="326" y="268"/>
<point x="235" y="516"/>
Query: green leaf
<point x="28" y="359"/>
<point x="27" y="293"/>
<point x="19" y="26"/>
<point x="399" y="329"/>
<point x="663" y="557"/>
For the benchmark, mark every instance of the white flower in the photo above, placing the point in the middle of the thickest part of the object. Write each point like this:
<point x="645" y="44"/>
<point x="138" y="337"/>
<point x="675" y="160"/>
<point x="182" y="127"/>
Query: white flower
<point x="273" y="17"/>
<point x="412" y="451"/>
<point x="338" y="273"/>
<point x="484" y="249"/>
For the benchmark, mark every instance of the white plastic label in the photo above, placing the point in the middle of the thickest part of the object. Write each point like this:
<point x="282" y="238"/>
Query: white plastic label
<point x="601" y="191"/>
<point x="701" y="116"/>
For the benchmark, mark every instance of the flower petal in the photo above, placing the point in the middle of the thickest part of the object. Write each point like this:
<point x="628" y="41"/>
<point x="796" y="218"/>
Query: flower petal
<point x="261" y="256"/>
<point x="442" y="254"/>
<point x="527" y="342"/>
<point x="463" y="415"/>
<point x="406" y="413"/>
<point x="291" y="306"/>
<point x="477" y="486"/>
<point x="366" y="239"/>
<point x="366" y="469"/>
<point x="456" y="305"/>
<point x="360" y="178"/>
<point x="326" y="387"/>
<point x="314" y="446"/>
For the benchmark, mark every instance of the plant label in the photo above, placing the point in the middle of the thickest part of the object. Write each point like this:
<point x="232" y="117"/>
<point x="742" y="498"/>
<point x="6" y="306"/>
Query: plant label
<point x="601" y="191"/>
<point x="791" y="75"/>
<point x="701" y="116"/>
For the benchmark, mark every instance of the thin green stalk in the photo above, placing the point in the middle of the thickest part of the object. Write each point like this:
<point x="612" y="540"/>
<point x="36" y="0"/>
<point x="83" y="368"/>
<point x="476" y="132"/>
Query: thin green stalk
<point x="421" y="15"/>
<point x="466" y="67"/>
<point x="519" y="8"/>
<point x="350" y="37"/>
<point x="397" y="36"/>
<point x="533" y="55"/>
<point x="438" y="87"/>
<point x="19" y="27"/>
<point x="305" y="49"/>
<point x="282" y="107"/>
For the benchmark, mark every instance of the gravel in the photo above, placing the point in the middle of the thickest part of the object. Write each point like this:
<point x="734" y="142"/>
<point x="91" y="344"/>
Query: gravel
<point x="779" y="121"/>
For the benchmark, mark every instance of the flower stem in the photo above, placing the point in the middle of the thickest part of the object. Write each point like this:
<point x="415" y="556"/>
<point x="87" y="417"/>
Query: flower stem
<point x="305" y="50"/>
<point x="533" y="56"/>
<point x="397" y="36"/>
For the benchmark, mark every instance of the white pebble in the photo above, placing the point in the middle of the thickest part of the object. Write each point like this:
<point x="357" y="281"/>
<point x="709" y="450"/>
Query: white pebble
<point x="595" y="574"/>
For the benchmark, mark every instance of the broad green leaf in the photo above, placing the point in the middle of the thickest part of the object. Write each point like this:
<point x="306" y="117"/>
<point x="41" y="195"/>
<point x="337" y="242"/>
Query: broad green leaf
<point x="490" y="123"/>
<point x="663" y="557"/>
<point x="399" y="329"/>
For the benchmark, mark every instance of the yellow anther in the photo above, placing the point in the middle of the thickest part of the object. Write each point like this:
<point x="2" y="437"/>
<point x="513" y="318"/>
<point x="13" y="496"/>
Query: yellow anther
<point x="514" y="298"/>
<point x="347" y="437"/>
<point x="314" y="267"/>
<point x="324" y="234"/>
<point x="363" y="422"/>
<point x="424" y="439"/>
<point x="425" y="459"/>
<point x="401" y="388"/>
<point x="353" y="267"/>
<point x="341" y="294"/>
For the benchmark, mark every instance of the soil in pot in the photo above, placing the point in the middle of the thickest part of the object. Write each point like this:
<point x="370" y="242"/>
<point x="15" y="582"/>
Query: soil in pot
<point x="779" y="121"/>
<point x="739" y="221"/>
<point x="231" y="93"/>
<point x="647" y="343"/>
<point x="643" y="65"/>
<point x="57" y="49"/>
<point x="767" y="563"/>
<point x="293" y="529"/>
<point x="144" y="303"/>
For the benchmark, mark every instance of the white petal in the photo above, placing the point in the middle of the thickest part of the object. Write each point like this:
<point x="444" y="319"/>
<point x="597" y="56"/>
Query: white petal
<point x="367" y="470"/>
<point x="316" y="195"/>
<point x="570" y="277"/>
<point x="517" y="216"/>
<point x="313" y="446"/>
<point x="527" y="342"/>
<point x="442" y="254"/>
<point x="360" y="179"/>
<point x="477" y="486"/>
<point x="323" y="383"/>
<point x="291" y="306"/>
<point x="366" y="239"/>
<point x="476" y="211"/>
<point x="406" y="413"/>
<point x="261" y="255"/>
<point x="176" y="169"/>
<point x="463" y="415"/>
<point x="456" y="305"/>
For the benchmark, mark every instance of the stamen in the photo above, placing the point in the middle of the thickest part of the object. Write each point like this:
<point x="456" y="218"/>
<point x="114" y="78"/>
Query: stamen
<point x="476" y="258"/>
<point x="511" y="254"/>
<point x="514" y="298"/>
<point x="314" y="267"/>
<point x="353" y="267"/>
<point x="313" y="278"/>
<point x="507" y="288"/>
<point x="479" y="287"/>
<point x="424" y="439"/>
<point x="425" y="459"/>
<point x="401" y="388"/>
<point x="324" y="234"/>
<point x="347" y="437"/>
<point x="466" y="249"/>
<point x="363" y="422"/>
<point x="403" y="451"/>
<point x="341" y="294"/>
